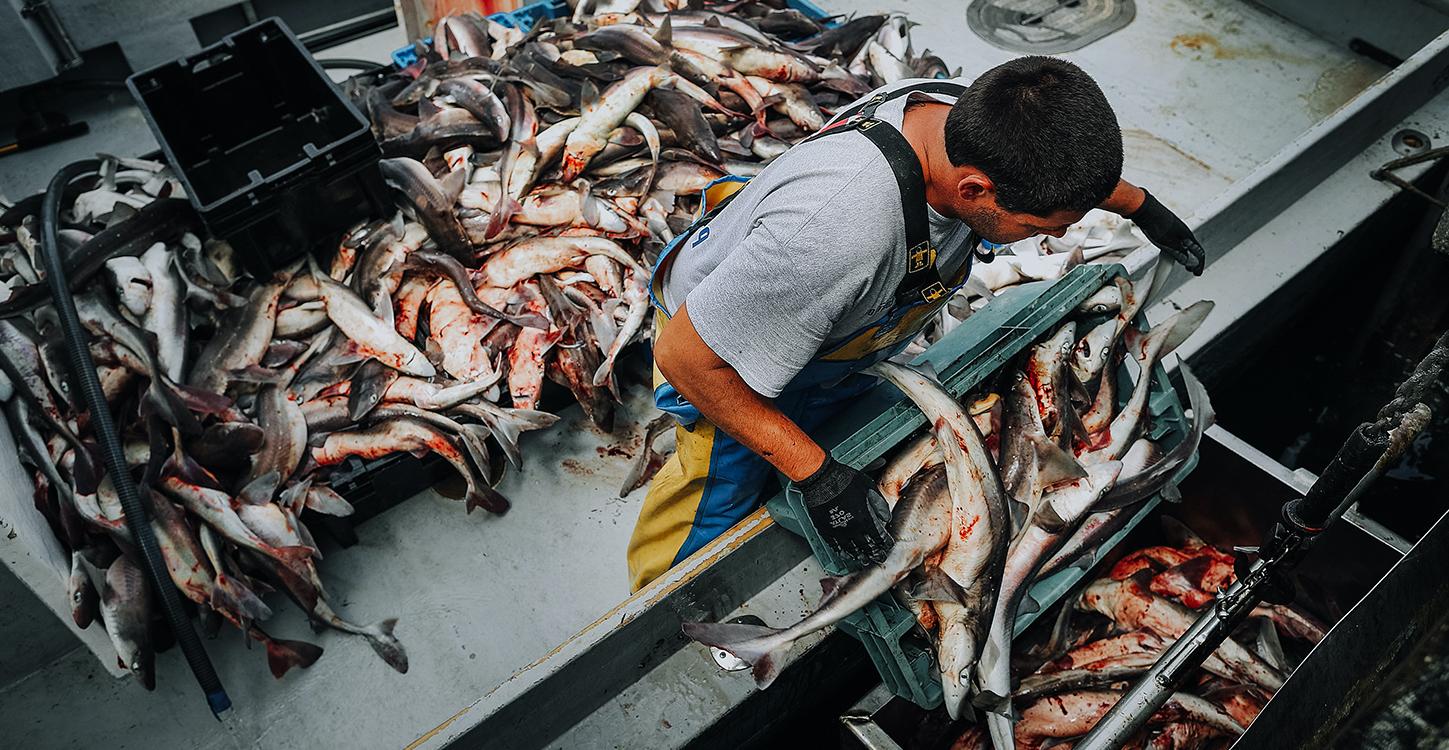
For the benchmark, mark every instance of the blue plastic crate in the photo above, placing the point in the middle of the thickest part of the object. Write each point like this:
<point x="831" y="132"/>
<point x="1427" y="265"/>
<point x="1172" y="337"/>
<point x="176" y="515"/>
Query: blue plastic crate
<point x="885" y="417"/>
<point x="524" y="18"/>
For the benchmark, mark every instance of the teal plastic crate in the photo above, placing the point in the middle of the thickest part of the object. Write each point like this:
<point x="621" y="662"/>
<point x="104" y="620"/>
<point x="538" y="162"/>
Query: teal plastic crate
<point x="884" y="418"/>
<point x="524" y="18"/>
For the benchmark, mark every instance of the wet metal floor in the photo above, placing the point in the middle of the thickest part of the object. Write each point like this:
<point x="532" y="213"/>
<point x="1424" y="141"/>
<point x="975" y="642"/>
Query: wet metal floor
<point x="1205" y="91"/>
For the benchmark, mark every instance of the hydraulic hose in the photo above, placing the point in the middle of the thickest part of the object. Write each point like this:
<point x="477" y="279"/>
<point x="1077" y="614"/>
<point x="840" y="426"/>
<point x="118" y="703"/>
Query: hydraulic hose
<point x="350" y="63"/>
<point x="104" y="427"/>
<point x="161" y="219"/>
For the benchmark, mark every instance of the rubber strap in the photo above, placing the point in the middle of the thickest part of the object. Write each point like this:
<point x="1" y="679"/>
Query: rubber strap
<point x="868" y="107"/>
<point x="922" y="280"/>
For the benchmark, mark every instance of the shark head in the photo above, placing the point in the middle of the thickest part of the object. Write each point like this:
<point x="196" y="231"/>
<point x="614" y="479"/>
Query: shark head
<point x="956" y="655"/>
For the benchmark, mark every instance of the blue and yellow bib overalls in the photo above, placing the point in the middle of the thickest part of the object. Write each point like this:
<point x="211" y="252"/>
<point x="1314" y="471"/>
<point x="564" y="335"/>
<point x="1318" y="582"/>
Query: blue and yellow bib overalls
<point x="712" y="482"/>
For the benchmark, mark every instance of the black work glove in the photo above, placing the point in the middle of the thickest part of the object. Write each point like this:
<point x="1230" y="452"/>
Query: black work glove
<point x="1169" y="233"/>
<point x="847" y="511"/>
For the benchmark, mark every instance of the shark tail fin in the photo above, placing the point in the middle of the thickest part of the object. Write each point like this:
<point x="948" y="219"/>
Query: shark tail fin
<point x="757" y="644"/>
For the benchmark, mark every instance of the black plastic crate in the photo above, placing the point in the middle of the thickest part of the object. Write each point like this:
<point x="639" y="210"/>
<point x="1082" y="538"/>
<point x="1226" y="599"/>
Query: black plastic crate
<point x="375" y="486"/>
<point x="273" y="156"/>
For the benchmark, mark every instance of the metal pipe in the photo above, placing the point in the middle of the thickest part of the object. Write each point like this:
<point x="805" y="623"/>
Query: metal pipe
<point x="67" y="56"/>
<point x="341" y="32"/>
<point x="104" y="428"/>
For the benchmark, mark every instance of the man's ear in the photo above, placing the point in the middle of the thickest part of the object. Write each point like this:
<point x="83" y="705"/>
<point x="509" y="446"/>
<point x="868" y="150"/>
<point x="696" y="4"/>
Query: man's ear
<point x="975" y="186"/>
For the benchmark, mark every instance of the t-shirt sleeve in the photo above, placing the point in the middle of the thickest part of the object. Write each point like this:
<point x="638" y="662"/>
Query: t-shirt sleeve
<point x="773" y="302"/>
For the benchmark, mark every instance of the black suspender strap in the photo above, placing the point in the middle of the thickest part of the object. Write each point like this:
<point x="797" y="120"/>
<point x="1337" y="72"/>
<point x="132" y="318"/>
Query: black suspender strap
<point x="868" y="107"/>
<point x="922" y="281"/>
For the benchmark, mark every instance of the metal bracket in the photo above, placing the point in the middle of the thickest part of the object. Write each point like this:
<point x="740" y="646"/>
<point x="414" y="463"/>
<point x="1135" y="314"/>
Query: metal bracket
<point x="1403" y="144"/>
<point x="42" y="12"/>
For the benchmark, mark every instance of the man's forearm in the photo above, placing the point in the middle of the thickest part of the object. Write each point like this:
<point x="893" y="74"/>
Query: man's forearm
<point x="723" y="398"/>
<point x="1125" y="199"/>
<point x="840" y="502"/>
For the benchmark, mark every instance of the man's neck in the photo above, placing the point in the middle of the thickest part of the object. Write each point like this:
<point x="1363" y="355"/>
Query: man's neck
<point x="924" y="126"/>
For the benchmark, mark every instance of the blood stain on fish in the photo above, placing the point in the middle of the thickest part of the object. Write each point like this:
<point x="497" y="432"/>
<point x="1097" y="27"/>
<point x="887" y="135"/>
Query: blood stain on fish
<point x="968" y="528"/>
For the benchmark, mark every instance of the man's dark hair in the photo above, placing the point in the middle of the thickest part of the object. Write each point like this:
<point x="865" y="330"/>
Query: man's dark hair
<point x="1042" y="130"/>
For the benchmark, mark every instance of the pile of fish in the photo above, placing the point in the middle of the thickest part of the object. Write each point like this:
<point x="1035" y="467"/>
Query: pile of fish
<point x="1145" y="602"/>
<point x="235" y="398"/>
<point x="554" y="165"/>
<point x="537" y="175"/>
<point x="1100" y="237"/>
<point x="1027" y="475"/>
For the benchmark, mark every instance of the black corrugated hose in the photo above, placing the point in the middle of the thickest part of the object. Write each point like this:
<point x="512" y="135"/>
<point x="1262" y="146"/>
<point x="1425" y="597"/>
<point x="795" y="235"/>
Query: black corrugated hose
<point x="104" y="428"/>
<point x="350" y="63"/>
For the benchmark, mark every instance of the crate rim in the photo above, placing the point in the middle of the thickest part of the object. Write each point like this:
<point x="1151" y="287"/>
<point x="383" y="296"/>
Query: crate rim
<point x="350" y="140"/>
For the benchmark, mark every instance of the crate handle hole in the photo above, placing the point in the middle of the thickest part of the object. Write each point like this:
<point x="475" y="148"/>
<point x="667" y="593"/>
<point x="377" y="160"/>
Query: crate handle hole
<point x="207" y="63"/>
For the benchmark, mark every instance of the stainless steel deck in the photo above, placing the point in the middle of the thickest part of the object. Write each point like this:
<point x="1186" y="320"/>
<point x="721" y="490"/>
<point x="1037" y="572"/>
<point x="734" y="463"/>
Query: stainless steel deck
<point x="1206" y="93"/>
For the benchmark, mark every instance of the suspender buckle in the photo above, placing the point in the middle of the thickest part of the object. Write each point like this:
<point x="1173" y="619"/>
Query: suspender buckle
<point x="920" y="257"/>
<point x="866" y="123"/>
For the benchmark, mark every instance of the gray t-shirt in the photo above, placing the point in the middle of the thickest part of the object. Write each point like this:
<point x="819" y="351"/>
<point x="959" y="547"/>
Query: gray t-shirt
<point x="810" y="251"/>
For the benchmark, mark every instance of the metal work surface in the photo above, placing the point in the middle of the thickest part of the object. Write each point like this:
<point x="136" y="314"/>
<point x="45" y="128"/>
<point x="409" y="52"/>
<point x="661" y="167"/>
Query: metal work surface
<point x="1246" y="277"/>
<point x="480" y="598"/>
<point x="594" y="667"/>
<point x="683" y="693"/>
<point x="477" y="598"/>
<point x="23" y="613"/>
